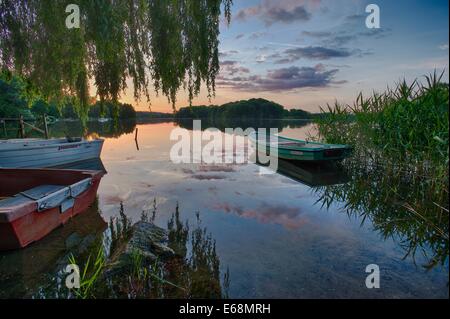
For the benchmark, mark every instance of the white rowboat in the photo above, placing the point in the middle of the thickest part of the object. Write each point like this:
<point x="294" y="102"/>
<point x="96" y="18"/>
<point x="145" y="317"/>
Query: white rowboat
<point x="40" y="153"/>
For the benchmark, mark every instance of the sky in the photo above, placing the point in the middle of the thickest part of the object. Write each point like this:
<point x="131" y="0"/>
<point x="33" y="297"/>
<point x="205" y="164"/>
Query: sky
<point x="310" y="53"/>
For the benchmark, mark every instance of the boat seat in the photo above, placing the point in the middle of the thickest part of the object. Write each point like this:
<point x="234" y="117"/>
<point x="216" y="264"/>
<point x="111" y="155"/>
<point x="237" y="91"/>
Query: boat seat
<point x="14" y="201"/>
<point x="32" y="195"/>
<point x="47" y="196"/>
<point x="41" y="191"/>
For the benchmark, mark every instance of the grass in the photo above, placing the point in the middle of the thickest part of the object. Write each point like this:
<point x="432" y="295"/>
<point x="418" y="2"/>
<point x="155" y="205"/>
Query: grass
<point x="404" y="129"/>
<point x="194" y="271"/>
<point x="408" y="123"/>
<point x="400" y="165"/>
<point x="90" y="276"/>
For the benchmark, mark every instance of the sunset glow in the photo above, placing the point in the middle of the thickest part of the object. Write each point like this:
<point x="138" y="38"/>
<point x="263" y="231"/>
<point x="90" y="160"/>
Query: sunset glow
<point x="305" y="54"/>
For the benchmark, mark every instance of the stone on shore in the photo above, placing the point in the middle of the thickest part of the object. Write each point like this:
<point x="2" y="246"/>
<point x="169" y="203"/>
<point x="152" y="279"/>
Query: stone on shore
<point x="147" y="241"/>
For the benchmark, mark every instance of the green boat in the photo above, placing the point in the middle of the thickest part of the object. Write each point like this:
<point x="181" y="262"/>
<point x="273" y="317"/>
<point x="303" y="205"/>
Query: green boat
<point x="312" y="174"/>
<point x="299" y="150"/>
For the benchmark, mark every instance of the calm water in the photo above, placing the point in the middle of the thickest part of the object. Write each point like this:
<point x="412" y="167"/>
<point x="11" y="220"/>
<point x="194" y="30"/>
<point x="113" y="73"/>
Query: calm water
<point x="272" y="232"/>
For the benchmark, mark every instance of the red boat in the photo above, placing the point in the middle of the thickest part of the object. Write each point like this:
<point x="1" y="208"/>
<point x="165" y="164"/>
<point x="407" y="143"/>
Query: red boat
<point x="33" y="202"/>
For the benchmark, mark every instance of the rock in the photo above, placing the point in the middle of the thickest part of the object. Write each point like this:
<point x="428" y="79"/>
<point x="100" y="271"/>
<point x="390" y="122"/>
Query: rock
<point x="147" y="238"/>
<point x="147" y="241"/>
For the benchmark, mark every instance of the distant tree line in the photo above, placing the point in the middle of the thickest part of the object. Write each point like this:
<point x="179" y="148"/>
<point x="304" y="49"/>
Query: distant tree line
<point x="144" y="115"/>
<point x="112" y="110"/>
<point x="19" y="97"/>
<point x="252" y="109"/>
<point x="298" y="114"/>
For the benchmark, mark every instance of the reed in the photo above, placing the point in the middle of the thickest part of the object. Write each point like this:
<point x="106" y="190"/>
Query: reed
<point x="399" y="168"/>
<point x="408" y="123"/>
<point x="90" y="275"/>
<point x="194" y="271"/>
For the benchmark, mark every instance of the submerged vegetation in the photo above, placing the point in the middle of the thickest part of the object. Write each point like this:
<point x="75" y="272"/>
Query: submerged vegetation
<point x="191" y="271"/>
<point x="400" y="165"/>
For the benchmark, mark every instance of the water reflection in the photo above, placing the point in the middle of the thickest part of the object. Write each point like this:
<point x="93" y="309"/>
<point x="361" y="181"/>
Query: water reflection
<point x="192" y="272"/>
<point x="94" y="164"/>
<point x="196" y="265"/>
<point x="271" y="232"/>
<point x="312" y="174"/>
<point x="24" y="271"/>
<point x="116" y="128"/>
<point x="399" y="204"/>
<point x="110" y="129"/>
<point x="222" y="124"/>
<point x="290" y="217"/>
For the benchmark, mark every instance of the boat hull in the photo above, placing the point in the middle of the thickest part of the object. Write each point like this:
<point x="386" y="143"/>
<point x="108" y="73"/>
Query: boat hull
<point x="38" y="155"/>
<point x="312" y="174"/>
<point x="23" y="224"/>
<point x="311" y="156"/>
<point x="298" y="150"/>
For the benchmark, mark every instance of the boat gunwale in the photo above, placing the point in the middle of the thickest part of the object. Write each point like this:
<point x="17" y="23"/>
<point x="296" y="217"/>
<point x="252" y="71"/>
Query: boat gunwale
<point x="325" y="146"/>
<point x="7" y="213"/>
<point x="34" y="147"/>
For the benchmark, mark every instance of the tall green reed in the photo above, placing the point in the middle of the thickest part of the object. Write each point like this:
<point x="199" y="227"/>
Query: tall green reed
<point x="400" y="164"/>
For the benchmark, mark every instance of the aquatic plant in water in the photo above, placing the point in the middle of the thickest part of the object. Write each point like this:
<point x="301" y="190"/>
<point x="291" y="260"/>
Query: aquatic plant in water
<point x="400" y="165"/>
<point x="194" y="271"/>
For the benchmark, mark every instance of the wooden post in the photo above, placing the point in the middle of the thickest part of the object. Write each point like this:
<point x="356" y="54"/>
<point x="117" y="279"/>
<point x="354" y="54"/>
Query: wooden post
<point x="45" y="127"/>
<point x="136" y="139"/>
<point x="4" y="128"/>
<point x="21" y="127"/>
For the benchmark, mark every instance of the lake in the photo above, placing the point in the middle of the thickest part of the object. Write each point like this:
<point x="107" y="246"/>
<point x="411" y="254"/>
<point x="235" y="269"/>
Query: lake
<point x="276" y="235"/>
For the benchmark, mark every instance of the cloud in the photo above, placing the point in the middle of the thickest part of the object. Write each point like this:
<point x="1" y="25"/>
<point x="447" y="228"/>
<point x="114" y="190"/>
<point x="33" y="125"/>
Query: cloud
<point x="205" y="177"/>
<point x="317" y="34"/>
<point x="345" y="36"/>
<point x="227" y="63"/>
<point x="287" y="216"/>
<point x="444" y="46"/>
<point x="355" y="18"/>
<point x="375" y="33"/>
<point x="256" y="35"/>
<point x="243" y="14"/>
<point x="340" y="40"/>
<point x="274" y="15"/>
<point x="310" y="53"/>
<point x="231" y="68"/>
<point x="226" y="54"/>
<point x="428" y="65"/>
<point x="216" y="168"/>
<point x="261" y="58"/>
<point x="271" y="11"/>
<point x="283" y="79"/>
<point x="239" y="36"/>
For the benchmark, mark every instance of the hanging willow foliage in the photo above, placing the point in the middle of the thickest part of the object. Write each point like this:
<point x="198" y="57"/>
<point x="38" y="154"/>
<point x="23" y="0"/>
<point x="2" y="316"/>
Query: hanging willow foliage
<point x="170" y="44"/>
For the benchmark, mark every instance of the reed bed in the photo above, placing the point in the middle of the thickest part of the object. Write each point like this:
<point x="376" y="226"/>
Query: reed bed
<point x="400" y="164"/>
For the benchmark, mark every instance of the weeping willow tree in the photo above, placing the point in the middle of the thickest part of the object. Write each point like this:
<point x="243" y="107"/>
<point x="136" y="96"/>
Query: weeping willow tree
<point x="167" y="44"/>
